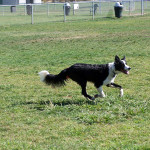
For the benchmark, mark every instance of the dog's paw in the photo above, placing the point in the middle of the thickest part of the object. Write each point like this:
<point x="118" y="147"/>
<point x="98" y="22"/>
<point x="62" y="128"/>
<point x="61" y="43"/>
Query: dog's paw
<point x="102" y="96"/>
<point x="96" y="96"/>
<point x="91" y="98"/>
<point x="121" y="92"/>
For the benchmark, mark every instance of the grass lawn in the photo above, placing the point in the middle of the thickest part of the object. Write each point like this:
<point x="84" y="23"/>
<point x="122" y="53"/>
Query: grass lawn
<point x="38" y="117"/>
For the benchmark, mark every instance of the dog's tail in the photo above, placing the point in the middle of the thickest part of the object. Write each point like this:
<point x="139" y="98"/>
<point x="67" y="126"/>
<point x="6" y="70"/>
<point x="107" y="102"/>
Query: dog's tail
<point x="54" y="80"/>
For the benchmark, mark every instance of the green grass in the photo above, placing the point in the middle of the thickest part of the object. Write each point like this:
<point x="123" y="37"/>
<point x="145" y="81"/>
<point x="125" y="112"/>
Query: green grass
<point x="35" y="116"/>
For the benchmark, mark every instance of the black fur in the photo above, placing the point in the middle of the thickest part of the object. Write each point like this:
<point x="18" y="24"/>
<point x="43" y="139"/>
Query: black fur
<point x="56" y="80"/>
<point x="80" y="73"/>
<point x="119" y="65"/>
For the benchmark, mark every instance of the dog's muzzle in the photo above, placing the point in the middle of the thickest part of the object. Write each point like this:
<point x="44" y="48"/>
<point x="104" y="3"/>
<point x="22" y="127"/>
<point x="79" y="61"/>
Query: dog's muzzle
<point x="126" y="70"/>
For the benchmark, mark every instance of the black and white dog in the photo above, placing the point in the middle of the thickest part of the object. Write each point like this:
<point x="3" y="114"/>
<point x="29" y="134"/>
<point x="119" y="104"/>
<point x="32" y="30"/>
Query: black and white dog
<point x="100" y="75"/>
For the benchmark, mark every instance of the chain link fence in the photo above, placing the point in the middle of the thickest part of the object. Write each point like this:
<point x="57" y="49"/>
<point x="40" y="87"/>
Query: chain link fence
<point x="56" y="12"/>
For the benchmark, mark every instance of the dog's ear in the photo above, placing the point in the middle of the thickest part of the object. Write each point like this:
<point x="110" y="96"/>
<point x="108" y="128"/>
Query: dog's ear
<point x="117" y="59"/>
<point x="124" y="58"/>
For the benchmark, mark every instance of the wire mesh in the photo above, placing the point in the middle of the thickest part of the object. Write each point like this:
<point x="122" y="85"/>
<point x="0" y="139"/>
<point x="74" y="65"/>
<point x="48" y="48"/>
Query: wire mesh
<point x="52" y="12"/>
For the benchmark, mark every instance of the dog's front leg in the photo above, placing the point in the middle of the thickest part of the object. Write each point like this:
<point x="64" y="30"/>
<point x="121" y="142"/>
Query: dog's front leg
<point x="100" y="90"/>
<point x="116" y="86"/>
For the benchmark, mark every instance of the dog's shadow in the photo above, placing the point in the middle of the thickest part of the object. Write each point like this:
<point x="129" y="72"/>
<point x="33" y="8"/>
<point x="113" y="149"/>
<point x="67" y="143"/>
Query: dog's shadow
<point x="42" y="105"/>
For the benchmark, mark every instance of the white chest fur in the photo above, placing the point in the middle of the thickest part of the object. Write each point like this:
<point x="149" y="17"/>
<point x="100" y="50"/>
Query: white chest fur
<point x="111" y="76"/>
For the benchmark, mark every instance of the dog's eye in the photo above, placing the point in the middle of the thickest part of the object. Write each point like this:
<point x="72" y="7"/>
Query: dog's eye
<point x="122" y="65"/>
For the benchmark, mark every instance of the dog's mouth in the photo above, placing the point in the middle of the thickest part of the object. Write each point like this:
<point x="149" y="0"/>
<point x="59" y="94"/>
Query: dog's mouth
<point x="125" y="71"/>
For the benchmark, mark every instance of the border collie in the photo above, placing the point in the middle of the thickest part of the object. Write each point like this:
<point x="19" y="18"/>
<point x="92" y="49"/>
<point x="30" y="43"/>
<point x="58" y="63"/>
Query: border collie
<point x="103" y="74"/>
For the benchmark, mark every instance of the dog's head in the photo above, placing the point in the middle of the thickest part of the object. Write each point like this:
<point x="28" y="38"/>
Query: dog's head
<point x="121" y="65"/>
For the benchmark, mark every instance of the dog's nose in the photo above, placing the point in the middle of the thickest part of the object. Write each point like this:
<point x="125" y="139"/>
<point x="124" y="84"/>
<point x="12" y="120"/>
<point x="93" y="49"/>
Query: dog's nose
<point x="129" y="68"/>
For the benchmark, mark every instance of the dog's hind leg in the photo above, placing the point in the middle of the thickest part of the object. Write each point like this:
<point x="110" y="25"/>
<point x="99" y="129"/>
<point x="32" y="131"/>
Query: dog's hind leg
<point x="83" y="86"/>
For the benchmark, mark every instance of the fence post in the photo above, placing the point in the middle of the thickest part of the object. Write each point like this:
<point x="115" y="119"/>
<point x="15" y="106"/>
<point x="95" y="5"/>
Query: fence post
<point x="129" y="7"/>
<point x="93" y="10"/>
<point x="64" y="12"/>
<point x="142" y="7"/>
<point x="47" y="9"/>
<point x="100" y="7"/>
<point x="32" y="19"/>
<point x="73" y="9"/>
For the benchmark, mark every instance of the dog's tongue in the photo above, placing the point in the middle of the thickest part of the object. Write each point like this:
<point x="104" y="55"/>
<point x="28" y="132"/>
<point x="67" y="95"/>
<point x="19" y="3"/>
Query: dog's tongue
<point x="125" y="71"/>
